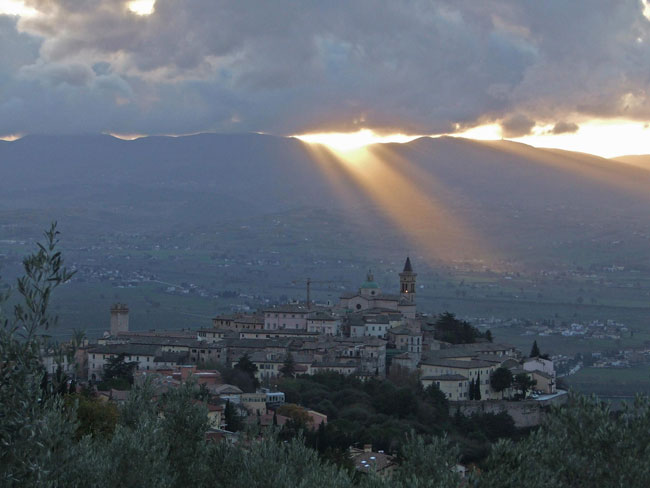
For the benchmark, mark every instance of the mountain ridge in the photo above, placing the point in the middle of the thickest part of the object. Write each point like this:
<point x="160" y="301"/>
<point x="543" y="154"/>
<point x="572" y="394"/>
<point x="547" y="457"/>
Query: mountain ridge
<point x="515" y="196"/>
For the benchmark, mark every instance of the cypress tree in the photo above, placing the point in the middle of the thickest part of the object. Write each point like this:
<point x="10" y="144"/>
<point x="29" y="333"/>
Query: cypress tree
<point x="288" y="369"/>
<point x="534" y="352"/>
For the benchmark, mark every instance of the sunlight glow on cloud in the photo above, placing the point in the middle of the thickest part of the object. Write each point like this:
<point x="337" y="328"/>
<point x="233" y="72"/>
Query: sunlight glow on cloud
<point x="142" y="7"/>
<point x="11" y="137"/>
<point x="126" y="137"/>
<point x="16" y="7"/>
<point x="605" y="138"/>
<point x="344" y="142"/>
<point x="487" y="132"/>
<point x="646" y="9"/>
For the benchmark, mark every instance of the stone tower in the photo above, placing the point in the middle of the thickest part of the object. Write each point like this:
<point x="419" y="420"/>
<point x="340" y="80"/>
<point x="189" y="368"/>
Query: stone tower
<point x="119" y="318"/>
<point x="407" y="282"/>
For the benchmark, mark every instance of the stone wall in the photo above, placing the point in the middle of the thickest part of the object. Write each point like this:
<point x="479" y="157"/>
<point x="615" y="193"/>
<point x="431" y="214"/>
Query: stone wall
<point x="526" y="413"/>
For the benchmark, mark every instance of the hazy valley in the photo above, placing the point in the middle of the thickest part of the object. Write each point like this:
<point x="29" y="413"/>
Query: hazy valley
<point x="182" y="228"/>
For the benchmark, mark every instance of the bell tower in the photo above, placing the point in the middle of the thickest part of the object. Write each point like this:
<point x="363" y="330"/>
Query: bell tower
<point x="407" y="282"/>
<point x="119" y="318"/>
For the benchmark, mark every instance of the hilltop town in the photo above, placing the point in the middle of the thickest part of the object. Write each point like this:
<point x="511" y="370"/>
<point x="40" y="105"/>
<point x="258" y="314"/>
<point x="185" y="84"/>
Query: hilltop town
<point x="368" y="334"/>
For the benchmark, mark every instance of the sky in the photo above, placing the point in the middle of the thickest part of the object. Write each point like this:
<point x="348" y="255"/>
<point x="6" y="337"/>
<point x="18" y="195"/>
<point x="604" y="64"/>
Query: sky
<point x="569" y="74"/>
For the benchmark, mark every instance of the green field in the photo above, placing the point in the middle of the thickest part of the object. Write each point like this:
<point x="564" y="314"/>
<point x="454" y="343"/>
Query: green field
<point x="611" y="382"/>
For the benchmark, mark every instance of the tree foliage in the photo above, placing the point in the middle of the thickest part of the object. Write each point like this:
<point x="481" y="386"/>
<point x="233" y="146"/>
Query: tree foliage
<point x="95" y="417"/>
<point x="582" y="445"/>
<point x="501" y="379"/>
<point x="36" y="433"/>
<point x="231" y="417"/>
<point x="288" y="369"/>
<point x="450" y="329"/>
<point x="235" y="376"/>
<point x="524" y="383"/>
<point x="118" y="368"/>
<point x="245" y="365"/>
<point x="534" y="351"/>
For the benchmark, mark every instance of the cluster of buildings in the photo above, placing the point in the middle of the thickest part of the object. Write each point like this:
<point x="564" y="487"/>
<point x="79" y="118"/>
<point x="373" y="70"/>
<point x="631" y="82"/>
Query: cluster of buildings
<point x="608" y="329"/>
<point x="454" y="370"/>
<point x="367" y="334"/>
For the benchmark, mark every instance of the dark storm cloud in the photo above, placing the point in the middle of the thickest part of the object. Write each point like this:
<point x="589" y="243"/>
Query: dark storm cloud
<point x="565" y="128"/>
<point x="284" y="67"/>
<point x="517" y="125"/>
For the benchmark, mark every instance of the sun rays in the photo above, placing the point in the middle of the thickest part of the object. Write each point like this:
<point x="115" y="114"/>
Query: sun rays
<point x="408" y="197"/>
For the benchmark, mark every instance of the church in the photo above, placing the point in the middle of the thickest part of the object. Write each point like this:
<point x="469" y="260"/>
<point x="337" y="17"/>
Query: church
<point x="369" y="295"/>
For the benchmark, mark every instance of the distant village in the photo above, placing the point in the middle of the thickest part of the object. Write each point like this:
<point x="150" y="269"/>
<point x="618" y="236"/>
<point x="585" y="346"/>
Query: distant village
<point x="367" y="334"/>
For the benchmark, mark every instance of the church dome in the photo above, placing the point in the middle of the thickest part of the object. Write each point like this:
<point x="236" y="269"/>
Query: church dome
<point x="370" y="282"/>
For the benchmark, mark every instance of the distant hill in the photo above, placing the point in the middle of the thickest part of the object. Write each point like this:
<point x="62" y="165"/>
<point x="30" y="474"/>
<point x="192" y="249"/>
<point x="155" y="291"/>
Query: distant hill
<point x="525" y="203"/>
<point x="642" y="161"/>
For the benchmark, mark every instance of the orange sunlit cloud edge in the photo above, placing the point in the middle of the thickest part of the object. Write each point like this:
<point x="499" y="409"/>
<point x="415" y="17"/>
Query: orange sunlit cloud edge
<point x="16" y="7"/>
<point x="604" y="138"/>
<point x="20" y="9"/>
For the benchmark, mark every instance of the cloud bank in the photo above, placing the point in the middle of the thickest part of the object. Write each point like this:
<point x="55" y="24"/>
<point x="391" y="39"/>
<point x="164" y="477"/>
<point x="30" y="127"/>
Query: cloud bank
<point x="419" y="67"/>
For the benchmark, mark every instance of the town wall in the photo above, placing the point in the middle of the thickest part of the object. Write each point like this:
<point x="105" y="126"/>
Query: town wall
<point x="526" y="413"/>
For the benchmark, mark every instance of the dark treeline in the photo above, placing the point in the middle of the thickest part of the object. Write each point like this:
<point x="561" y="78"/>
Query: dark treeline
<point x="380" y="412"/>
<point x="450" y="329"/>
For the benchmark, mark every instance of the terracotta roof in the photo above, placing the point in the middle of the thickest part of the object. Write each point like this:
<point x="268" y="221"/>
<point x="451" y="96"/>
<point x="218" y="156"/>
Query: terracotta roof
<point x="320" y="315"/>
<point x="128" y="349"/>
<point x="288" y="308"/>
<point x="226" y="389"/>
<point x="446" y="377"/>
<point x="457" y="363"/>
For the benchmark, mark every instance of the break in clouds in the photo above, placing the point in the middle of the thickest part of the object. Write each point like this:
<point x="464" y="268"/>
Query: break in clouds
<point x="287" y="67"/>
